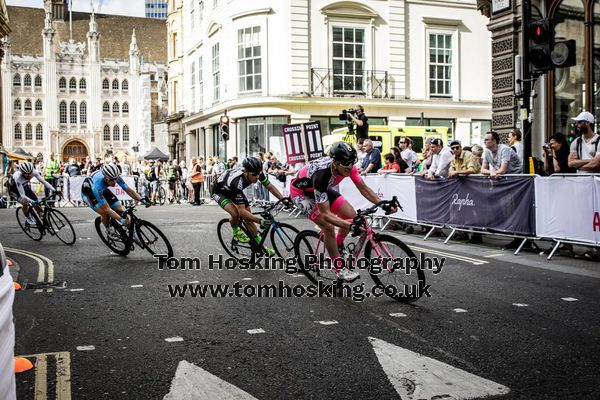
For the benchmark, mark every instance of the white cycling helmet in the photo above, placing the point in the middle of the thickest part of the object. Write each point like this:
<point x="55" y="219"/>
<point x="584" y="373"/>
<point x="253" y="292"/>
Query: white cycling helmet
<point x="26" y="168"/>
<point x="110" y="171"/>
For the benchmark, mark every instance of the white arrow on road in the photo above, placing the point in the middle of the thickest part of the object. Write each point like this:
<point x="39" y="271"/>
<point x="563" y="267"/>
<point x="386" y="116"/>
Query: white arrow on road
<point x="193" y="383"/>
<point x="415" y="376"/>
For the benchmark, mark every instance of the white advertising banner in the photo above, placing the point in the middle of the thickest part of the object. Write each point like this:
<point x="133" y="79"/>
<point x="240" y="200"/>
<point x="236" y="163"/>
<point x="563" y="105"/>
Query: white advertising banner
<point x="75" y="183"/>
<point x="568" y="207"/>
<point x="385" y="186"/>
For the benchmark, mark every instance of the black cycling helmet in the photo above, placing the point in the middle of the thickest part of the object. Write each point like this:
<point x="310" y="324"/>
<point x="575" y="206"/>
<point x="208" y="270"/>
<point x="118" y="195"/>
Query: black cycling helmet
<point x="252" y="164"/>
<point x="343" y="152"/>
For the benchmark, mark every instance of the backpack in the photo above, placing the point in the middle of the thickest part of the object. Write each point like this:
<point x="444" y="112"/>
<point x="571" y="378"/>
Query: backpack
<point x="152" y="174"/>
<point x="580" y="145"/>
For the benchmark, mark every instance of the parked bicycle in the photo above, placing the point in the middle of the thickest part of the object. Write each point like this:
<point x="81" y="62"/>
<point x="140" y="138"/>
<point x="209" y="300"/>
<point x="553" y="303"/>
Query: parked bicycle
<point x="309" y="249"/>
<point x="45" y="219"/>
<point x="282" y="237"/>
<point x="122" y="240"/>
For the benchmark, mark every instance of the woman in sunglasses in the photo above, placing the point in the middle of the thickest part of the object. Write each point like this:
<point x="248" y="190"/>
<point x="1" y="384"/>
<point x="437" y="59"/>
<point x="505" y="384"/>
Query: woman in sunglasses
<point x="317" y="184"/>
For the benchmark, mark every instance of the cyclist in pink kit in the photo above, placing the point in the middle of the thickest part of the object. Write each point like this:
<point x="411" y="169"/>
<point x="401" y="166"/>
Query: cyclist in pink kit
<point x="317" y="183"/>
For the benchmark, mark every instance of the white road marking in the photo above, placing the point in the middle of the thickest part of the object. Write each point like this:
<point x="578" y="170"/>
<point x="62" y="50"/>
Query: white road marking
<point x="38" y="290"/>
<point x="327" y="322"/>
<point x="494" y="255"/>
<point x="86" y="348"/>
<point x="174" y="339"/>
<point x="520" y="305"/>
<point x="193" y="382"/>
<point x="569" y="299"/>
<point x="246" y="279"/>
<point x="137" y="286"/>
<point x="398" y="314"/>
<point x="40" y="262"/>
<point x="470" y="260"/>
<point x="459" y="310"/>
<point x="415" y="376"/>
<point x="49" y="263"/>
<point x="255" y="331"/>
<point x="63" y="375"/>
<point x="76" y="290"/>
<point x="193" y="282"/>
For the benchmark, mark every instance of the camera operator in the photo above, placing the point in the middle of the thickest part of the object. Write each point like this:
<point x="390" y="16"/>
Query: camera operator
<point x="360" y="119"/>
<point x="556" y="155"/>
<point x="585" y="152"/>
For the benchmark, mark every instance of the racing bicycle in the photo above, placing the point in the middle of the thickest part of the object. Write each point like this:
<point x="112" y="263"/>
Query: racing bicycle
<point x="122" y="240"/>
<point x="282" y="237"/>
<point x="44" y="219"/>
<point x="389" y="251"/>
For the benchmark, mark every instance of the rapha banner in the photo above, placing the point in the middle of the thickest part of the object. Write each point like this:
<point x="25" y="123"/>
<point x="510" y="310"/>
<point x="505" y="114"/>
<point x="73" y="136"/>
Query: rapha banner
<point x="312" y="140"/>
<point x="292" y="136"/>
<point x="501" y="205"/>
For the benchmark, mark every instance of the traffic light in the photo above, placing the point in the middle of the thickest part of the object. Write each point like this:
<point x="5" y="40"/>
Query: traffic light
<point x="224" y="127"/>
<point x="563" y="54"/>
<point x="541" y="36"/>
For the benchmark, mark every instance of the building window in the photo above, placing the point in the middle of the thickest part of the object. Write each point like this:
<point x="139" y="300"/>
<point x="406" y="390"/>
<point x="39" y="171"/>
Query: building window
<point x="116" y="133"/>
<point x="18" y="133"/>
<point x="260" y="135"/>
<point x="193" y="86"/>
<point x="27" y="106"/>
<point x="28" y="132"/>
<point x="215" y="3"/>
<point x="63" y="112"/>
<point x="116" y="108"/>
<point x="105" y="85"/>
<point x="17" y="106"/>
<point x="17" y="80"/>
<point x="106" y="107"/>
<point x="73" y="84"/>
<point x="348" y="59"/>
<point x="152" y="135"/>
<point x="27" y="81"/>
<point x="82" y="85"/>
<point x="38" y="81"/>
<point x="200" y="84"/>
<point x="125" y="85"/>
<point x="106" y="133"/>
<point x="125" y="133"/>
<point x="215" y="73"/>
<point x="83" y="113"/>
<point x="125" y="108"/>
<point x="115" y="85"/>
<point x="62" y="84"/>
<point x="440" y="65"/>
<point x="174" y="45"/>
<point x="39" y="132"/>
<point x="38" y="105"/>
<point x="249" y="59"/>
<point x="73" y="113"/>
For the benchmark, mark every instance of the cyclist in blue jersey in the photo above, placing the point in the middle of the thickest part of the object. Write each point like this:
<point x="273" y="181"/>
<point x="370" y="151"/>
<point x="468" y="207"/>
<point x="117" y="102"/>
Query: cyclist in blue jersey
<point x="97" y="195"/>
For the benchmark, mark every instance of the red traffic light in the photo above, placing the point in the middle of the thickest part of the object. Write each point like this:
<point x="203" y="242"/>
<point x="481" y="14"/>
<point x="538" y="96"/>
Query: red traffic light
<point x="224" y="119"/>
<point x="540" y="31"/>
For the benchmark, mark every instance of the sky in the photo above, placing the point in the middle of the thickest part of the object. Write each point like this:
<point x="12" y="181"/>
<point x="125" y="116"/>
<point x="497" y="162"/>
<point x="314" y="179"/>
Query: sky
<point x="134" y="8"/>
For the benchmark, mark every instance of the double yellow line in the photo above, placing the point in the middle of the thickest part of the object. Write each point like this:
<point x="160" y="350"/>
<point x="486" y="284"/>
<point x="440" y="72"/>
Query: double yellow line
<point x="63" y="375"/>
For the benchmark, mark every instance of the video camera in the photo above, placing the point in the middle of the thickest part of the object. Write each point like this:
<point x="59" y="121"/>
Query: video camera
<point x="345" y="115"/>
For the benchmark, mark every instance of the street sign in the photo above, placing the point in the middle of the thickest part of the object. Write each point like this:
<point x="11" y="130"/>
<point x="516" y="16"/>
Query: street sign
<point x="500" y="5"/>
<point x="313" y="140"/>
<point x="294" y="150"/>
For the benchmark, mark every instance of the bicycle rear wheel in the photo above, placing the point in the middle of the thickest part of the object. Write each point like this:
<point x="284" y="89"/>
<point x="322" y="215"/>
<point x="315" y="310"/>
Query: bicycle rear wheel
<point x="161" y="196"/>
<point x="390" y="276"/>
<point x="233" y="247"/>
<point x="31" y="230"/>
<point x="308" y="248"/>
<point x="118" y="244"/>
<point x="153" y="239"/>
<point x="282" y="238"/>
<point x="60" y="226"/>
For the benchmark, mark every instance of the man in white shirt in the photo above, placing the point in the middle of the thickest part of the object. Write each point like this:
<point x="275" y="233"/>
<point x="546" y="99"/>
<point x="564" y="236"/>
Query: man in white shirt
<point x="499" y="159"/>
<point x="442" y="158"/>
<point x="408" y="154"/>
<point x="585" y="151"/>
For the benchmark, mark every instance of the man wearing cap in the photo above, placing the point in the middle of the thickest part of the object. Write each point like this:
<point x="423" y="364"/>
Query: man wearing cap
<point x="440" y="163"/>
<point x="499" y="159"/>
<point x="463" y="162"/>
<point x="585" y="151"/>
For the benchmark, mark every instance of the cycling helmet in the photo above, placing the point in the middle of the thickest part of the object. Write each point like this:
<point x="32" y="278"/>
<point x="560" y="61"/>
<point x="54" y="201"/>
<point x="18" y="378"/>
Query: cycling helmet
<point x="26" y="168"/>
<point x="110" y="171"/>
<point x="252" y="164"/>
<point x="343" y="152"/>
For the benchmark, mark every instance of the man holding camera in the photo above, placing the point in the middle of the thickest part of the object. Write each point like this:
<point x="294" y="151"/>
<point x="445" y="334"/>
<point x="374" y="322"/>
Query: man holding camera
<point x="585" y="151"/>
<point x="360" y="119"/>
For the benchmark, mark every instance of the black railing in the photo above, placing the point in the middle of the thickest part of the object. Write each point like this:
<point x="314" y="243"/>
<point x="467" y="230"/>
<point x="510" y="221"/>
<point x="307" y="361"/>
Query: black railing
<point x="333" y="83"/>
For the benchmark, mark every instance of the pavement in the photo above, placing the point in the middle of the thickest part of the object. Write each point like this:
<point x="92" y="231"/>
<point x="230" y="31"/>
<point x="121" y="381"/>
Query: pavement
<point x="101" y="326"/>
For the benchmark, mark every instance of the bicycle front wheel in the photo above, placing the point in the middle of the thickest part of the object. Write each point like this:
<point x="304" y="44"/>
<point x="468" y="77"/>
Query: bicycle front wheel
<point x="282" y="238"/>
<point x="392" y="274"/>
<point x="60" y="226"/>
<point x="161" y="196"/>
<point x="309" y="250"/>
<point x="31" y="230"/>
<point x="153" y="239"/>
<point x="118" y="243"/>
<point x="231" y="244"/>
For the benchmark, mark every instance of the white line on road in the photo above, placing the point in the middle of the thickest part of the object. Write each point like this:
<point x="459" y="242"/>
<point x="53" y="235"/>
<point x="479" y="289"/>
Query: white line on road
<point x="86" y="348"/>
<point x="193" y="282"/>
<point x="569" y="299"/>
<point x="76" y="290"/>
<point x="470" y="260"/>
<point x="520" y="305"/>
<point x="327" y="322"/>
<point x="137" y="286"/>
<point x="459" y="310"/>
<point x="398" y="315"/>
<point x="494" y="255"/>
<point x="255" y="331"/>
<point x="174" y="339"/>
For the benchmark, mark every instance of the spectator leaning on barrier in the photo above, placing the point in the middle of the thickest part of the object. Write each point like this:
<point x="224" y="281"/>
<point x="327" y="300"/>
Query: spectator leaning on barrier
<point x="391" y="166"/>
<point x="499" y="159"/>
<point x="281" y="171"/>
<point x="73" y="168"/>
<point x="408" y="154"/>
<point x="556" y="155"/>
<point x="585" y="149"/>
<point x="372" y="162"/>
<point x="441" y="159"/>
<point x="404" y="168"/>
<point x="360" y="152"/>
<point x="463" y="162"/>
<point x="476" y="154"/>
<point x="514" y="140"/>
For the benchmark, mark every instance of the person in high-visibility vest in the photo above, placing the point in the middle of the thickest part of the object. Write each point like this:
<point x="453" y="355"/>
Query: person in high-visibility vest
<point x="197" y="179"/>
<point x="51" y="172"/>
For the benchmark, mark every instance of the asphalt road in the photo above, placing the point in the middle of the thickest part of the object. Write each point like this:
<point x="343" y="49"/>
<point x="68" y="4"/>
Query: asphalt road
<point x="107" y="328"/>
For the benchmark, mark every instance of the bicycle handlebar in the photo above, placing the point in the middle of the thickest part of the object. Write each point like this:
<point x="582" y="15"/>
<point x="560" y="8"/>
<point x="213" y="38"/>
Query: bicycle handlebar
<point x="384" y="204"/>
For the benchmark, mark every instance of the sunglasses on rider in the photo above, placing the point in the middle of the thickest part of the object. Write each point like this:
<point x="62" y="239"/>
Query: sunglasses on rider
<point x="253" y="173"/>
<point x="346" y="164"/>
